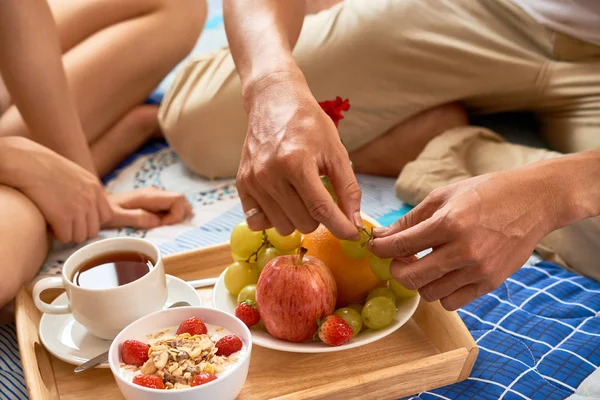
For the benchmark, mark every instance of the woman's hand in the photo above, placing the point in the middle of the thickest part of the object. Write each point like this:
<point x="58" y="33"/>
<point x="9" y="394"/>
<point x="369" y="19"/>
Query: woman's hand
<point x="147" y="208"/>
<point x="71" y="199"/>
<point x="290" y="143"/>
<point x="481" y="230"/>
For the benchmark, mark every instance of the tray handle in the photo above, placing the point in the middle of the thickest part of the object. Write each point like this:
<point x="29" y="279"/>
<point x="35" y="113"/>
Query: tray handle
<point x="37" y="367"/>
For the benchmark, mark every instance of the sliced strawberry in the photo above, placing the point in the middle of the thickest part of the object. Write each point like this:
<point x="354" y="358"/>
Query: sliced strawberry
<point x="149" y="381"/>
<point x="193" y="326"/>
<point x="202" y="378"/>
<point x="134" y="352"/>
<point x="228" y="345"/>
<point x="248" y="313"/>
<point x="334" y="331"/>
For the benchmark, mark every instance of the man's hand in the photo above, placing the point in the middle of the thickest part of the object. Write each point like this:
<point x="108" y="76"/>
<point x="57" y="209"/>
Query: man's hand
<point x="481" y="230"/>
<point x="289" y="144"/>
<point x="147" y="208"/>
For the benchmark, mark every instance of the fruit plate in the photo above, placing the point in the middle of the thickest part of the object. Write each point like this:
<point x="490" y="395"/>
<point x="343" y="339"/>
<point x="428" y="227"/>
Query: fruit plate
<point x="224" y="301"/>
<point x="432" y="349"/>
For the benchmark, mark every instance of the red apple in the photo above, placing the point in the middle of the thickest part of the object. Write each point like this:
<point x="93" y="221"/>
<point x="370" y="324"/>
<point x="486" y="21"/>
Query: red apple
<point x="292" y="293"/>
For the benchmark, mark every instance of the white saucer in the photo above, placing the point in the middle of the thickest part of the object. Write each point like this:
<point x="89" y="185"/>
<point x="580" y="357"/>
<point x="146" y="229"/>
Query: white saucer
<point x="70" y="342"/>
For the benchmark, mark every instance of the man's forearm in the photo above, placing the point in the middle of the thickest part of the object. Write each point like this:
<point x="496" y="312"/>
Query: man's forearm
<point x="31" y="66"/>
<point x="262" y="34"/>
<point x="573" y="186"/>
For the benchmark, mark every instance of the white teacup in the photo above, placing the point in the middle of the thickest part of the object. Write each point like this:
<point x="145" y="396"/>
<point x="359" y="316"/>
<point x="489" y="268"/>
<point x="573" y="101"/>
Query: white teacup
<point x="105" y="312"/>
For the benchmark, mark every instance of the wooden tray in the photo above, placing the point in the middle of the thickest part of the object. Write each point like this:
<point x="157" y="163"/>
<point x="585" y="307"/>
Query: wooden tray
<point x="433" y="349"/>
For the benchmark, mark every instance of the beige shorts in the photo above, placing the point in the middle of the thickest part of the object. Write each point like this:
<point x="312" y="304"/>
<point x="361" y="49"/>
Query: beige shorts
<point x="393" y="59"/>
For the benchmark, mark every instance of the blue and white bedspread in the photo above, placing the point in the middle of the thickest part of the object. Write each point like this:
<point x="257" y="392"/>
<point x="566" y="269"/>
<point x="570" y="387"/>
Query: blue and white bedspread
<point x="539" y="333"/>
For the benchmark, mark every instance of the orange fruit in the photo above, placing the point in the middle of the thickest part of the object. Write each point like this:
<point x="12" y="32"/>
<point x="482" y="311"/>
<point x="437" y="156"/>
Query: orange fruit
<point x="354" y="278"/>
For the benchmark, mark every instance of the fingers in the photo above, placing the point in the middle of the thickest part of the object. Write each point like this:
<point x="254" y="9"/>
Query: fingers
<point x="410" y="241"/>
<point x="93" y="223"/>
<point x="105" y="212"/>
<point x="346" y="188"/>
<point x="273" y="212"/>
<point x="320" y="205"/>
<point x="177" y="212"/>
<point x="79" y="229"/>
<point x="258" y="221"/>
<point x="290" y="201"/>
<point x="420" y="213"/>
<point x="63" y="232"/>
<point x="138" y="219"/>
<point x="151" y="199"/>
<point x="417" y="274"/>
<point x="447" y="284"/>
<point x="461" y="297"/>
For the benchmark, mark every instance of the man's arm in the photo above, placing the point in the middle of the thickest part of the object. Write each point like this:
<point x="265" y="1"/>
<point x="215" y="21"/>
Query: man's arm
<point x="31" y="66"/>
<point x="262" y="34"/>
<point x="290" y="141"/>
<point x="484" y="228"/>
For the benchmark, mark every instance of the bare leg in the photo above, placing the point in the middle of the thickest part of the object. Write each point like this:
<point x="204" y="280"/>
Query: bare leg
<point x="131" y="132"/>
<point x="389" y="153"/>
<point x="24" y="243"/>
<point x="116" y="53"/>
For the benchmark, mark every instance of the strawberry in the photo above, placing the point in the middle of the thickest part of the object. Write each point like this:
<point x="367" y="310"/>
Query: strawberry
<point x="334" y="331"/>
<point x="228" y="345"/>
<point x="149" y="381"/>
<point x="202" y="378"/>
<point x="193" y="326"/>
<point x="248" y="313"/>
<point x="134" y="352"/>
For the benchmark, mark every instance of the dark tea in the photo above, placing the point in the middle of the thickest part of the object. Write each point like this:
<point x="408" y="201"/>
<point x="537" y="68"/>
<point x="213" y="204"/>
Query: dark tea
<point x="111" y="270"/>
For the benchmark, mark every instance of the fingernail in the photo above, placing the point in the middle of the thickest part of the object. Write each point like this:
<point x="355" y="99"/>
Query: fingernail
<point x="379" y="231"/>
<point x="358" y="220"/>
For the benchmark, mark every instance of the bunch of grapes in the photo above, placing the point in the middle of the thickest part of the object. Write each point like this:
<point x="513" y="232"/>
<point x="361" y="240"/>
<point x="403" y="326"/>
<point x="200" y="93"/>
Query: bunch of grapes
<point x="378" y="310"/>
<point x="251" y="252"/>
<point x="359" y="249"/>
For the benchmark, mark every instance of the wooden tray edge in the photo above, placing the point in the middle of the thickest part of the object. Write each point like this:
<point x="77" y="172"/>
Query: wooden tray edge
<point x="35" y="360"/>
<point x="391" y="382"/>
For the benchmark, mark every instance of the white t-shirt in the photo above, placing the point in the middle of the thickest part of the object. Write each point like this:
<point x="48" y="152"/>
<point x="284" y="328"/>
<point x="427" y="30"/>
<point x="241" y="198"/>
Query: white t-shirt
<point x="577" y="18"/>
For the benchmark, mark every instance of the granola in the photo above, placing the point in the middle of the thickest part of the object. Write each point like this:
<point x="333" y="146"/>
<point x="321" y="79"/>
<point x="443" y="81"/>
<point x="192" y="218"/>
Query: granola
<point x="179" y="359"/>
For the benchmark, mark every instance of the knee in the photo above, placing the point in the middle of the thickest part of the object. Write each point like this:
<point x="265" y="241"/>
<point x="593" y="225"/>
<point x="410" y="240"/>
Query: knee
<point x="448" y="116"/>
<point x="185" y="20"/>
<point x="25" y="241"/>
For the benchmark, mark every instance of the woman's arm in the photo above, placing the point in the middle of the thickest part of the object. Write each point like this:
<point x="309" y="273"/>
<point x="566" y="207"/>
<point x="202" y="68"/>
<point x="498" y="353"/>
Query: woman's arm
<point x="32" y="69"/>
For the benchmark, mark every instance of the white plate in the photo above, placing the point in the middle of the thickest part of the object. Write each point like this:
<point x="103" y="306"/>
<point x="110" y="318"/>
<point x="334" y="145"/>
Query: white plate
<point x="223" y="301"/>
<point x="68" y="341"/>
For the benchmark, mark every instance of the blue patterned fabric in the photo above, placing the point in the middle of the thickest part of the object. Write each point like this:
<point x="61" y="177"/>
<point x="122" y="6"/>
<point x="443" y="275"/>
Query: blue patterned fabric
<point x="538" y="334"/>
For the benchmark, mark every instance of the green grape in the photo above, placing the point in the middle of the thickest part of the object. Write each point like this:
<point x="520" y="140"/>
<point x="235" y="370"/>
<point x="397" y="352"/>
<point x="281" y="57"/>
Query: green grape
<point x="357" y="307"/>
<point x="382" y="292"/>
<point x="239" y="275"/>
<point x="284" y="243"/>
<point x="244" y="241"/>
<point x="247" y="293"/>
<point x="352" y="318"/>
<point x="356" y="249"/>
<point x="329" y="186"/>
<point x="400" y="291"/>
<point x="266" y="255"/>
<point x="380" y="267"/>
<point x="238" y="258"/>
<point x="378" y="312"/>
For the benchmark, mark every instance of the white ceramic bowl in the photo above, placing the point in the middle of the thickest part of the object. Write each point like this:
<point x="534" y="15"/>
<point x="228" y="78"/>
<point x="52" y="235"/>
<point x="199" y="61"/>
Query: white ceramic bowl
<point x="227" y="386"/>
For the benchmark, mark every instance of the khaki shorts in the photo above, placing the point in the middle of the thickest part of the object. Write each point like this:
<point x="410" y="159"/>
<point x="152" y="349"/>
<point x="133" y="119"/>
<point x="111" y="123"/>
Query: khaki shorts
<point x="393" y="59"/>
